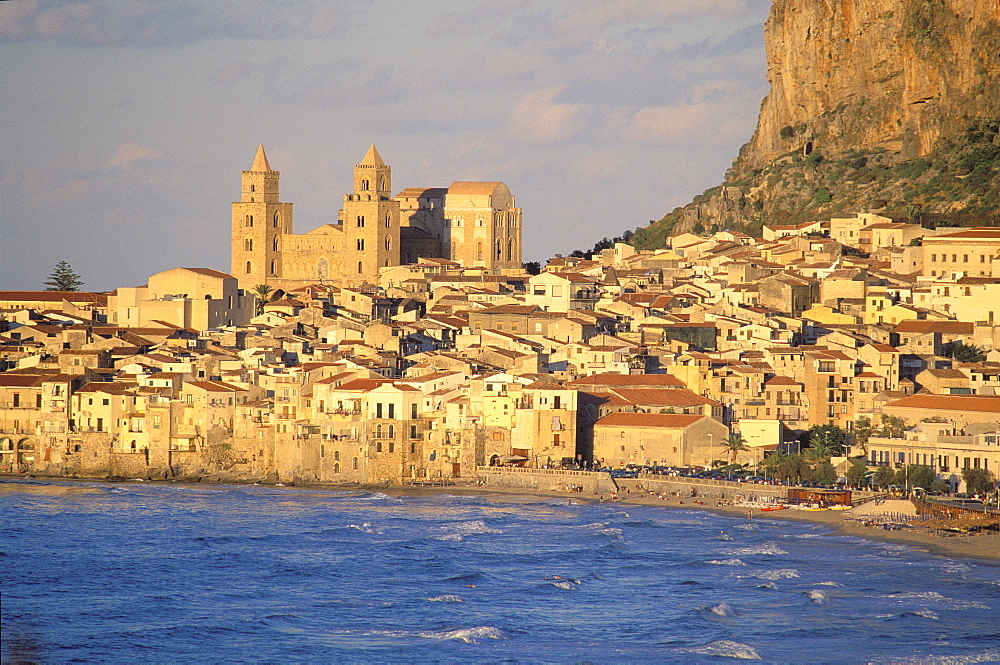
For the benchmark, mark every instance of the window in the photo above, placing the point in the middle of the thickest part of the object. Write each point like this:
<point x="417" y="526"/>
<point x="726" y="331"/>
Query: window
<point x="361" y="244"/>
<point x="479" y="251"/>
<point x="392" y="434"/>
<point x="388" y="221"/>
<point x="274" y="244"/>
<point x="248" y="244"/>
<point x="413" y="410"/>
<point x="249" y="220"/>
<point x="274" y="270"/>
<point x="248" y="268"/>
<point x="361" y="221"/>
<point x="378" y="446"/>
<point x="364" y="186"/>
<point x="392" y="410"/>
<point x="933" y="258"/>
<point x="388" y="243"/>
<point x="413" y="433"/>
<point x="276" y="220"/>
<point x="392" y="447"/>
<point x="965" y="258"/>
<point x="360" y="267"/>
<point x="354" y="463"/>
<point x="17" y="400"/>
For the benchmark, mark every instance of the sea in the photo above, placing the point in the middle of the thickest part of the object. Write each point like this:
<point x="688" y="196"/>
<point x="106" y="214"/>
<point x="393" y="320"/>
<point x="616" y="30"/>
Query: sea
<point x="138" y="572"/>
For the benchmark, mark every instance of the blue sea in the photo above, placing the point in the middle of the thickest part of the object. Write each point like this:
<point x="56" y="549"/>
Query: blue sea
<point x="140" y="572"/>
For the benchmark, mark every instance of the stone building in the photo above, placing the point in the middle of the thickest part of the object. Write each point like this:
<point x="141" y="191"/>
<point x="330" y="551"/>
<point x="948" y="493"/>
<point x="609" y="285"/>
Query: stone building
<point x="474" y="223"/>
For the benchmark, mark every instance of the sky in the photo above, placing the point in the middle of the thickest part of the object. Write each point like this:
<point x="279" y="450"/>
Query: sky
<point x="127" y="123"/>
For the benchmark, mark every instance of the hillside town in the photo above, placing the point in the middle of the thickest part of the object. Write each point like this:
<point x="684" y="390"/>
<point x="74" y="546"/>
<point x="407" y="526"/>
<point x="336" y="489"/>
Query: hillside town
<point x="718" y="350"/>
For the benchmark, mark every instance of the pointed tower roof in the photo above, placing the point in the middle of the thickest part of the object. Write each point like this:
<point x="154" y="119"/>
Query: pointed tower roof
<point x="372" y="158"/>
<point x="260" y="161"/>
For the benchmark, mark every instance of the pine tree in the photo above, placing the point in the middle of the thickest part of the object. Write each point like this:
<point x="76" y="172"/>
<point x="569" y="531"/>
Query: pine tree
<point x="63" y="278"/>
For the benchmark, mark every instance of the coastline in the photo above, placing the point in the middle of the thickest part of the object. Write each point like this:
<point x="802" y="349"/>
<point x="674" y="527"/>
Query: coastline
<point x="983" y="548"/>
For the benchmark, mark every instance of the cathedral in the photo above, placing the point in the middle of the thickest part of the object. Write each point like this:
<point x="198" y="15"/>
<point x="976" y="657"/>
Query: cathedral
<point x="473" y="223"/>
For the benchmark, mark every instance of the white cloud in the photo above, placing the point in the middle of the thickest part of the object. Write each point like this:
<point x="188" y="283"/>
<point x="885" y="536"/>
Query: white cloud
<point x="538" y="118"/>
<point x="128" y="153"/>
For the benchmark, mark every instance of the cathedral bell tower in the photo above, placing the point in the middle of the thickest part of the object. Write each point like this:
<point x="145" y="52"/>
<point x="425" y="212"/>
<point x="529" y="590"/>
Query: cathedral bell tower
<point x="370" y="222"/>
<point x="259" y="222"/>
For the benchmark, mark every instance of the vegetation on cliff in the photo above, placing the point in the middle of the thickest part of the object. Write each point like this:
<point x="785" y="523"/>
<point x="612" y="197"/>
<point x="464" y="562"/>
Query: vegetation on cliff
<point x="886" y="106"/>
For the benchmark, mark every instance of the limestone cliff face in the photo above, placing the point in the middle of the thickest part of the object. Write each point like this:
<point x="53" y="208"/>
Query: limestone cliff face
<point x="875" y="105"/>
<point x="864" y="74"/>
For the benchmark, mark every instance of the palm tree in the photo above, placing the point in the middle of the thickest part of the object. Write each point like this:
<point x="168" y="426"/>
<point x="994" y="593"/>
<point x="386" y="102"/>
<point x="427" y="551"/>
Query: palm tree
<point x="734" y="443"/>
<point x="262" y="292"/>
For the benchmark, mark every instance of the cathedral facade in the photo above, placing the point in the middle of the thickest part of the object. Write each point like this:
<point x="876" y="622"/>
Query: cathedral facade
<point x="476" y="224"/>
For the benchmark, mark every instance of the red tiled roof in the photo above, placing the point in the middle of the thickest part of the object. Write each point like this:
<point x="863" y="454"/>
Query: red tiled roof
<point x="976" y="403"/>
<point x="634" y="380"/>
<point x="917" y="326"/>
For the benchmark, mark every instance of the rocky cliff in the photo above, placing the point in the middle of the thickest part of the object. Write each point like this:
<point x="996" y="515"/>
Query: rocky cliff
<point x="875" y="105"/>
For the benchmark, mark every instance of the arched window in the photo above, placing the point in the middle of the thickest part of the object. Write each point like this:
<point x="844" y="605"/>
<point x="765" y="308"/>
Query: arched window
<point x="354" y="463"/>
<point x="276" y="220"/>
<point x="511" y="253"/>
<point x="274" y="244"/>
<point x="248" y="244"/>
<point x="253" y="188"/>
<point x="360" y="267"/>
<point x="388" y="220"/>
<point x="361" y="244"/>
<point x="378" y="431"/>
<point x="273" y="265"/>
<point x="479" y="251"/>
<point x="392" y="431"/>
<point x="249" y="220"/>
<point x="387" y="263"/>
<point x="336" y="467"/>
<point x="248" y="268"/>
<point x="364" y="185"/>
<point x="413" y="431"/>
<point x="388" y="243"/>
<point x="381" y="184"/>
<point x="499" y="249"/>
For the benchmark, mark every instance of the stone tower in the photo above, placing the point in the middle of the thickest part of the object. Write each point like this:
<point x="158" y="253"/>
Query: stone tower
<point x="259" y="222"/>
<point x="370" y="222"/>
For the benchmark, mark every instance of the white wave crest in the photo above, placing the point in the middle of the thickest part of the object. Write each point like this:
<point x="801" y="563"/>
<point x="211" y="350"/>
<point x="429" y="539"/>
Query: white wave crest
<point x="827" y="584"/>
<point x="723" y="610"/>
<point x="611" y="531"/>
<point x="768" y="585"/>
<point x="565" y="584"/>
<point x="727" y="562"/>
<point x="447" y="598"/>
<point x="817" y="596"/>
<point x="775" y="574"/>
<point x="927" y="614"/>
<point x="451" y="538"/>
<point x="725" y="649"/>
<point x="472" y="528"/>
<point x="765" y="548"/>
<point x="988" y="656"/>
<point x="467" y="635"/>
<point x="364" y="528"/>
<point x="935" y="597"/>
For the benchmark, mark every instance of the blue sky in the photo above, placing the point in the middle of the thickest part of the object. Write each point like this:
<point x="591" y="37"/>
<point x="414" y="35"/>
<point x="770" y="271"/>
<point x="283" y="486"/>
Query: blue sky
<point x="127" y="123"/>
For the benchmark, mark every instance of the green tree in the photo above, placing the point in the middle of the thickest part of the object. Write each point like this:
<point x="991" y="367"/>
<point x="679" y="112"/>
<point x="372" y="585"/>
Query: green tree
<point x="940" y="486"/>
<point x="979" y="481"/>
<point x="862" y="431"/>
<point x="825" y="474"/>
<point x="830" y="437"/>
<point x="533" y="267"/>
<point x="967" y="353"/>
<point x="734" y="443"/>
<point x="263" y="293"/>
<point x="63" y="279"/>
<point x="856" y="474"/>
<point x="892" y="427"/>
<point x="884" y="476"/>
<point x="920" y="475"/>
